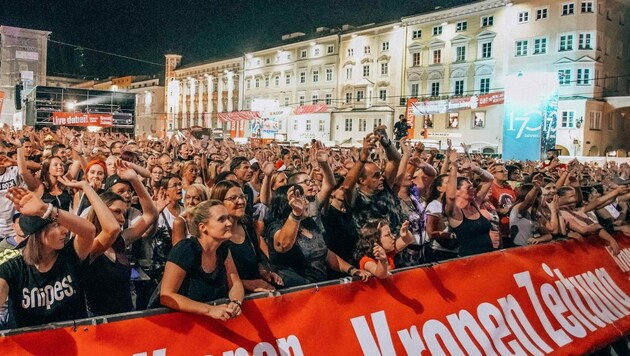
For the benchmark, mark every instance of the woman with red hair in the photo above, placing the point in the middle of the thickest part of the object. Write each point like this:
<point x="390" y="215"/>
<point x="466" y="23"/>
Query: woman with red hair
<point x="95" y="174"/>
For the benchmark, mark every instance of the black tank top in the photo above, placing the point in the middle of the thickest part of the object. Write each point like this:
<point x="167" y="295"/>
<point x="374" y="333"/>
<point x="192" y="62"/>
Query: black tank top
<point x="474" y="235"/>
<point x="107" y="283"/>
<point x="61" y="201"/>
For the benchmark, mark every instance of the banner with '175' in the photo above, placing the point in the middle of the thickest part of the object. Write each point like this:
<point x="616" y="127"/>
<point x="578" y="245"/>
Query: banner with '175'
<point x="561" y="298"/>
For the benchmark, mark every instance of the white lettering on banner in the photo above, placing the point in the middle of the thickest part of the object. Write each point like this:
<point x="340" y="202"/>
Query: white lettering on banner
<point x="289" y="346"/>
<point x="580" y="304"/>
<point x="48" y="295"/>
<point x="160" y="352"/>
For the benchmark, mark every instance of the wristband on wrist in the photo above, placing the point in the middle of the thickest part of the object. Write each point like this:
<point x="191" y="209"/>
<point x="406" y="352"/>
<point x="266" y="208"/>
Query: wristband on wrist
<point x="236" y="302"/>
<point x="48" y="211"/>
<point x="295" y="217"/>
<point x="363" y="161"/>
<point x="350" y="270"/>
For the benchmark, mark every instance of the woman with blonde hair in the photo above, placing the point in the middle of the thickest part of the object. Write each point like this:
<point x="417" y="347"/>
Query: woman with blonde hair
<point x="214" y="168"/>
<point x="196" y="194"/>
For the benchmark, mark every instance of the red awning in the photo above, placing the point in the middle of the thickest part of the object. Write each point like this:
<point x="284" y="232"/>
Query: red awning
<point x="310" y="109"/>
<point x="238" y="116"/>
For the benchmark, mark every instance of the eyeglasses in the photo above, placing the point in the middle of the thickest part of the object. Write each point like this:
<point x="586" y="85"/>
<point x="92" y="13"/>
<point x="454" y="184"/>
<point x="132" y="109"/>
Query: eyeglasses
<point x="307" y="182"/>
<point x="233" y="199"/>
<point x="174" y="185"/>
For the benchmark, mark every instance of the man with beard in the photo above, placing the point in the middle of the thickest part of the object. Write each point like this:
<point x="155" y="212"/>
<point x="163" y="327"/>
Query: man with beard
<point x="369" y="193"/>
<point x="242" y="169"/>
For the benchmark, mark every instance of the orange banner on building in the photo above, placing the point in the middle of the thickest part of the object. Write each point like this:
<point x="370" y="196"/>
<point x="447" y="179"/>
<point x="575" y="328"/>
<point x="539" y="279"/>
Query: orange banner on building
<point x="1" y="100"/>
<point x="82" y="119"/>
<point x="564" y="298"/>
<point x="410" y="116"/>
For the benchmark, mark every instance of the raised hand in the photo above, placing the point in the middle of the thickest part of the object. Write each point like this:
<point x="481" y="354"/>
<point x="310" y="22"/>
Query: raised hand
<point x="322" y="156"/>
<point x="379" y="253"/>
<point x="124" y="171"/>
<point x="161" y="199"/>
<point x="268" y="168"/>
<point x="6" y="161"/>
<point x="453" y="156"/>
<point x="73" y="183"/>
<point x="26" y="202"/>
<point x="296" y="201"/>
<point x="404" y="229"/>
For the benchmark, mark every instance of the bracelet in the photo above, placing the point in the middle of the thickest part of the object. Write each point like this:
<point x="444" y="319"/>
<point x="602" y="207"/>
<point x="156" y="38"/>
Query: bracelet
<point x="362" y="161"/>
<point x="295" y="217"/>
<point x="236" y="302"/>
<point x="351" y="270"/>
<point x="48" y="211"/>
<point x="54" y="214"/>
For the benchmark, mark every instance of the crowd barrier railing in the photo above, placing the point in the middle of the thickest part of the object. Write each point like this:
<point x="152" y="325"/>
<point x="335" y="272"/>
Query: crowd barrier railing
<point x="570" y="297"/>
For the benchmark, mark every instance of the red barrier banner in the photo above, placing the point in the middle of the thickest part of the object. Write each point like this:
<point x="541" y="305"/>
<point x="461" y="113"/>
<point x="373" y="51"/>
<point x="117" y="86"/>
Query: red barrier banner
<point x="564" y="298"/>
<point x="81" y="119"/>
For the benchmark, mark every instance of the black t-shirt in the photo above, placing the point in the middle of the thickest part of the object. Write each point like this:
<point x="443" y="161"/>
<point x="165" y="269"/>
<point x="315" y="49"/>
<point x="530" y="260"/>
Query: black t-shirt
<point x="308" y="255"/>
<point x="247" y="255"/>
<point x="199" y="285"/>
<point x="42" y="298"/>
<point x="341" y="237"/>
<point x="400" y="129"/>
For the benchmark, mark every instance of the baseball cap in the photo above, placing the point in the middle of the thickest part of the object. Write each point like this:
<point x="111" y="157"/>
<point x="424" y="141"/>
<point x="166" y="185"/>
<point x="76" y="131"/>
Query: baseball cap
<point x="31" y="225"/>
<point x="113" y="180"/>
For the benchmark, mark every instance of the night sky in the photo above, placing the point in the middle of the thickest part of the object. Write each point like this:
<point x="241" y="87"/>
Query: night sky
<point x="196" y="29"/>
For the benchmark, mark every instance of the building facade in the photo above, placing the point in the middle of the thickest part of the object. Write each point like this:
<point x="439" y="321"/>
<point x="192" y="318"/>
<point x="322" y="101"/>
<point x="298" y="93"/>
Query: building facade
<point x="150" y="115"/>
<point x="196" y="95"/>
<point x="23" y="55"/>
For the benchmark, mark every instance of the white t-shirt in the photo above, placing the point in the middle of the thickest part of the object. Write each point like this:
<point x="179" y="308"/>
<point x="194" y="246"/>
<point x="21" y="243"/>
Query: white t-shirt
<point x="11" y="178"/>
<point x="435" y="208"/>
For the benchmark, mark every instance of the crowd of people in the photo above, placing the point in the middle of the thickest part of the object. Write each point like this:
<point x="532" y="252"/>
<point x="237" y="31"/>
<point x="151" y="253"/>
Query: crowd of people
<point x="83" y="215"/>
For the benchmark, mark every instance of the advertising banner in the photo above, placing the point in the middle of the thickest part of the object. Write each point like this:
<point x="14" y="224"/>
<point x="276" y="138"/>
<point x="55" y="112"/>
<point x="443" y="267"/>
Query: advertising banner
<point x="1" y="100"/>
<point x="82" y="119"/>
<point x="530" y="108"/>
<point x="451" y="105"/>
<point x="525" y="301"/>
<point x="411" y="117"/>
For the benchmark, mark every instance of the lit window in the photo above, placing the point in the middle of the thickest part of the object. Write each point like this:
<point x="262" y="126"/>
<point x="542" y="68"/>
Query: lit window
<point x="437" y="56"/>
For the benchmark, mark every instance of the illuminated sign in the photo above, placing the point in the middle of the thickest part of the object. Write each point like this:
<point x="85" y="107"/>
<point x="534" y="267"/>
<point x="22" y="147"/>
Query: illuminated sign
<point x="82" y="119"/>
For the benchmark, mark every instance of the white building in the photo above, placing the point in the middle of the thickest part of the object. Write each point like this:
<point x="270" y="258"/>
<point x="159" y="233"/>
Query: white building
<point x="370" y="74"/>
<point x="297" y="83"/>
<point x="196" y="95"/>
<point x="150" y="116"/>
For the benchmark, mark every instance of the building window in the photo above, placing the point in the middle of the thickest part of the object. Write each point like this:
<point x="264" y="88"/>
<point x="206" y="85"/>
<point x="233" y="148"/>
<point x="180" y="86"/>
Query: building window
<point x="587" y="7"/>
<point x="295" y="125"/>
<point x="302" y="77"/>
<point x="540" y="45"/>
<point x="459" y="87"/>
<point x="523" y="16"/>
<point x="437" y="30"/>
<point x="416" y="34"/>
<point x="348" y="98"/>
<point x="378" y="122"/>
<point x="348" y="73"/>
<point x="286" y="101"/>
<point x="316" y="52"/>
<point x="583" y="77"/>
<point x="315" y="99"/>
<point x="385" y="46"/>
<point x="287" y="79"/>
<point x="301" y="100"/>
<point x="460" y="54"/>
<point x="611" y="121"/>
<point x="322" y="125"/>
<point x="566" y="43"/>
<point x="303" y="53"/>
<point x="384" y="68"/>
<point x="330" y="49"/>
<point x="257" y="83"/>
<point x="348" y="125"/>
<point x="521" y="48"/>
<point x="249" y="83"/>
<point x="461" y="26"/>
<point x="329" y="74"/>
<point x="276" y="80"/>
<point x="437" y="56"/>
<point x="415" y="59"/>
<point x="350" y="52"/>
<point x="266" y="82"/>
<point x="486" y="50"/>
<point x="415" y="90"/>
<point x="315" y="76"/>
<point x="366" y="71"/>
<point x="585" y="41"/>
<point x="435" y="89"/>
<point x="568" y="9"/>
<point x="484" y="85"/>
<point x="567" y="120"/>
<point x="487" y="21"/>
<point x="382" y="95"/>
<point x="564" y="76"/>
<point x="595" y="119"/>
<point x="542" y="13"/>
<point x="362" y="125"/>
<point x="328" y="99"/>
<point x="308" y="125"/>
<point x="367" y="50"/>
<point x="360" y="95"/>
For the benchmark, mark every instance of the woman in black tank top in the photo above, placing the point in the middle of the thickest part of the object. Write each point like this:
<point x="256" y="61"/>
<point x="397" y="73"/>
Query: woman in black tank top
<point x="462" y="209"/>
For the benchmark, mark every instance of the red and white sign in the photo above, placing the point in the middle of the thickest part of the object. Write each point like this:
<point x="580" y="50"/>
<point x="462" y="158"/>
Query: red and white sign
<point x="81" y="119"/>
<point x="565" y="298"/>
<point x="442" y="106"/>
